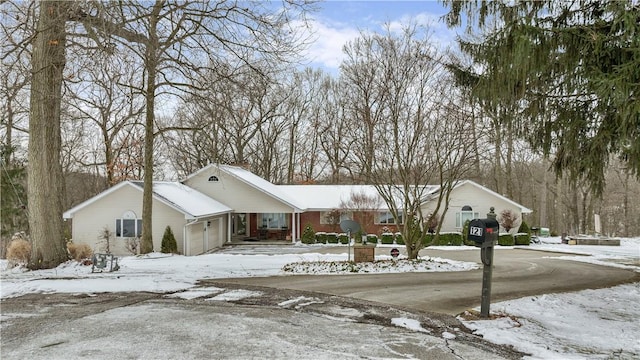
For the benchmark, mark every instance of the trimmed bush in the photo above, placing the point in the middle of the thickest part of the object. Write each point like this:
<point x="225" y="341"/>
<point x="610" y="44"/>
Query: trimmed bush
<point x="343" y="238"/>
<point x="506" y="240"/>
<point x="427" y="239"/>
<point x="169" y="244"/>
<point x="522" y="239"/>
<point x="332" y="238"/>
<point x="79" y="252"/>
<point x="386" y="238"/>
<point x="372" y="238"/>
<point x="321" y="237"/>
<point x="450" y="239"/>
<point x="399" y="239"/>
<point x="19" y="252"/>
<point x="308" y="235"/>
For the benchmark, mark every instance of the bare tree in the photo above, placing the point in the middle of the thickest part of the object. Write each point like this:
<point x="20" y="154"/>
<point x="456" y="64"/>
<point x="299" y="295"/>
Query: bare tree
<point x="405" y="78"/>
<point x="168" y="37"/>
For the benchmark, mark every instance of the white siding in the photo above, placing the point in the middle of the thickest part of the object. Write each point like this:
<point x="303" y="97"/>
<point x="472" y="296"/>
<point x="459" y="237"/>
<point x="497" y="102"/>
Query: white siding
<point x="479" y="200"/>
<point x="236" y="194"/>
<point x="89" y="222"/>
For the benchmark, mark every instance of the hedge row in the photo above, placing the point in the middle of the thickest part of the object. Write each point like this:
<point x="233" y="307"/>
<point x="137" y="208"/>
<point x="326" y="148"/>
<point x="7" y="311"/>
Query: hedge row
<point x="445" y="239"/>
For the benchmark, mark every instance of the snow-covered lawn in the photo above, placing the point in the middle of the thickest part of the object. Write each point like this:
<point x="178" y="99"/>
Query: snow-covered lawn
<point x="589" y="324"/>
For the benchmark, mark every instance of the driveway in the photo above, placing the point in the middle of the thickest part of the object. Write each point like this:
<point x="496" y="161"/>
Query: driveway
<point x="517" y="273"/>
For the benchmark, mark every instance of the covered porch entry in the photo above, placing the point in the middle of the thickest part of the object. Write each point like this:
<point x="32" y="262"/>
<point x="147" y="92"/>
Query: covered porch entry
<point x="268" y="226"/>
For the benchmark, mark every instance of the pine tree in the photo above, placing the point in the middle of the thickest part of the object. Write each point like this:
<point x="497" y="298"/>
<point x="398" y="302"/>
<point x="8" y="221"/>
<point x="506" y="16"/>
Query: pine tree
<point x="169" y="244"/>
<point x="565" y="74"/>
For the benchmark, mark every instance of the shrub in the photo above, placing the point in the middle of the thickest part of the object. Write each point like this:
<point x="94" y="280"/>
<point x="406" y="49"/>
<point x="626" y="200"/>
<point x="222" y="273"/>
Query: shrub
<point x="522" y="239"/>
<point x="308" y="235"/>
<point x="372" y="238"/>
<point x="386" y="238"/>
<point x="18" y="251"/>
<point x="450" y="239"/>
<point x="343" y="238"/>
<point x="524" y="228"/>
<point x="506" y="240"/>
<point x="169" y="244"/>
<point x="332" y="238"/>
<point x="321" y="237"/>
<point x="79" y="252"/>
<point x="427" y="240"/>
<point x="399" y="239"/>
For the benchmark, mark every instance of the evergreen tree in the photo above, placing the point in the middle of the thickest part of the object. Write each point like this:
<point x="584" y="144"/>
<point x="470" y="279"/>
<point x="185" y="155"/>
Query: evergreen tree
<point x="308" y="235"/>
<point x="572" y="68"/>
<point x="169" y="244"/>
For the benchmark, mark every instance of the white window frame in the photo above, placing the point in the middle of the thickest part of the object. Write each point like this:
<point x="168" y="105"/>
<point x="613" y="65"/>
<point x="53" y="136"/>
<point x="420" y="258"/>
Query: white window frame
<point x="137" y="228"/>
<point x="463" y="215"/>
<point x="390" y="219"/>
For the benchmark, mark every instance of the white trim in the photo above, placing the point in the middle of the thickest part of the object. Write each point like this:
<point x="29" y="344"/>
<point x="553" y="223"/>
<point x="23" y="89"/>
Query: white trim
<point x="69" y="213"/>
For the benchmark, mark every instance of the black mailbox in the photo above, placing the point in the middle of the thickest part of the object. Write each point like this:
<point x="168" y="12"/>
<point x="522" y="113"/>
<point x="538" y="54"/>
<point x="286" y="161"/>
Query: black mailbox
<point x="483" y="231"/>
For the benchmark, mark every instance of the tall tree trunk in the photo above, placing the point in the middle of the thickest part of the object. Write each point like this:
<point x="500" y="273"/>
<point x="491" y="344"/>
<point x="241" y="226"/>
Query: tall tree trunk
<point x="45" y="181"/>
<point x="151" y="64"/>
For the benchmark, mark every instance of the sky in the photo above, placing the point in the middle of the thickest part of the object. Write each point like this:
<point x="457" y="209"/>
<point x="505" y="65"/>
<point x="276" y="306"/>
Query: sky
<point x="549" y="326"/>
<point x="338" y="22"/>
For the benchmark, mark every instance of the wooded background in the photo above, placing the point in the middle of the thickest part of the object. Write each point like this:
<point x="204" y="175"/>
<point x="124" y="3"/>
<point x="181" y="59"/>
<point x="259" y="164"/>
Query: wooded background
<point x="397" y="106"/>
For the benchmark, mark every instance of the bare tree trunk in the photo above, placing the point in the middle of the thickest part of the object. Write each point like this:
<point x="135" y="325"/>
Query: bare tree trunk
<point x="151" y="65"/>
<point x="45" y="185"/>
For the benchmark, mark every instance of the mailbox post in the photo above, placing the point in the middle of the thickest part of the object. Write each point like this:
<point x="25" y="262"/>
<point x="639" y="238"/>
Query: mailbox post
<point x="484" y="232"/>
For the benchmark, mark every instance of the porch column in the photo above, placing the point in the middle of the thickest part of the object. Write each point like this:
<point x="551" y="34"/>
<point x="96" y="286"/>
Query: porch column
<point x="229" y="225"/>
<point x="293" y="226"/>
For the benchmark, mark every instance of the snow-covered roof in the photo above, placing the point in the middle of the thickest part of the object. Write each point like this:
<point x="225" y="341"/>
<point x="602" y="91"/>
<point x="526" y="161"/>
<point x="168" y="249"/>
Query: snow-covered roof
<point x="184" y="199"/>
<point x="188" y="201"/>
<point x="327" y="197"/>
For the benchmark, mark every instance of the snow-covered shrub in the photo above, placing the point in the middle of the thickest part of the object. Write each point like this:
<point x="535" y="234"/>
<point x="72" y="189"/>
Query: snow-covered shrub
<point x="522" y="239"/>
<point x="332" y="238"/>
<point x="506" y="240"/>
<point x="386" y="238"/>
<point x="343" y="238"/>
<point x="398" y="238"/>
<point x="79" y="252"/>
<point x="321" y="237"/>
<point x="372" y="238"/>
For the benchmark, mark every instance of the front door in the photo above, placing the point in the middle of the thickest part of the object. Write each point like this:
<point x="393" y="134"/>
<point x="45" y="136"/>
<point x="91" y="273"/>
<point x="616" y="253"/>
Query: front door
<point x="240" y="224"/>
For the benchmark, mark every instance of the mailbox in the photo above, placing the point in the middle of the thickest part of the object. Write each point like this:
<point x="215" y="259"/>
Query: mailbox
<point x="483" y="231"/>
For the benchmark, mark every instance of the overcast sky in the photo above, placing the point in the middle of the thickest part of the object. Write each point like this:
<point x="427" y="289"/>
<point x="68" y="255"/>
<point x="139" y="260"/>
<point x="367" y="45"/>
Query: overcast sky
<point x="339" y="21"/>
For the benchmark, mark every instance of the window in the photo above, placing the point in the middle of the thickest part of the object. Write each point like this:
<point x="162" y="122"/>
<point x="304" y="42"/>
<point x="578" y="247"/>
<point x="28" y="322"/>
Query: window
<point x="385" y="217"/>
<point x="213" y="178"/>
<point x="466" y="213"/>
<point x="272" y="220"/>
<point x="327" y="217"/>
<point x="128" y="227"/>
